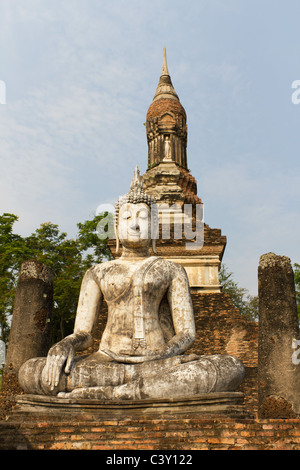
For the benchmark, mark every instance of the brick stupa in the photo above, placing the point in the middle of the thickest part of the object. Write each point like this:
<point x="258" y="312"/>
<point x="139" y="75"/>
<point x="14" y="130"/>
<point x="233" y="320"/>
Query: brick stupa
<point x="172" y="185"/>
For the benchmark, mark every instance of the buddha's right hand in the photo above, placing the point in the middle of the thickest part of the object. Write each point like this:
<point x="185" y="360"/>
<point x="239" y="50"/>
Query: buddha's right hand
<point x="62" y="354"/>
<point x="59" y="355"/>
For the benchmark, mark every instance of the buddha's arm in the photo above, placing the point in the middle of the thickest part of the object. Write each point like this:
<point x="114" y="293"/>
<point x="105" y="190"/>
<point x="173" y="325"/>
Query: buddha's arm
<point x="182" y="313"/>
<point x="62" y="354"/>
<point x="89" y="298"/>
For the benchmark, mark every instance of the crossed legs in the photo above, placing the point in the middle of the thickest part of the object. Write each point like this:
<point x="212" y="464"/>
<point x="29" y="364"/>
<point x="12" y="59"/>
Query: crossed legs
<point x="93" y="378"/>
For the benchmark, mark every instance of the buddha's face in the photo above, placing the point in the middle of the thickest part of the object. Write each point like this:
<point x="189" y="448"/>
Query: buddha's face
<point x="134" y="228"/>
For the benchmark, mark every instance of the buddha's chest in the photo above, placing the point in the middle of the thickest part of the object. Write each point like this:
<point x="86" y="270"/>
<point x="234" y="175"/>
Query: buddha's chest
<point x="125" y="282"/>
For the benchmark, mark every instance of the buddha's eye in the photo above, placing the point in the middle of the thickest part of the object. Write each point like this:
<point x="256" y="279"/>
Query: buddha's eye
<point x="143" y="214"/>
<point x="126" y="215"/>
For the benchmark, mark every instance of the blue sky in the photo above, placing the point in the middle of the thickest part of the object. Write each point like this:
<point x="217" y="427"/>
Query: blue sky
<point x="80" y="76"/>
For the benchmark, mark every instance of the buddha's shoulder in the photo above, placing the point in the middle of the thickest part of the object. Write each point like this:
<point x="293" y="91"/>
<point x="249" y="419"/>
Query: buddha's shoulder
<point x="99" y="270"/>
<point x="171" y="268"/>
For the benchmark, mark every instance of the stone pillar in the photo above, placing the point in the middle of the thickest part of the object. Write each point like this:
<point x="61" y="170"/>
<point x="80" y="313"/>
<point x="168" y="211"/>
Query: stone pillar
<point x="33" y="306"/>
<point x="278" y="374"/>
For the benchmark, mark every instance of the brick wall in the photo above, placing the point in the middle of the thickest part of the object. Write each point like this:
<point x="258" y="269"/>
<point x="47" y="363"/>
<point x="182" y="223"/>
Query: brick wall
<point x="206" y="433"/>
<point x="221" y="329"/>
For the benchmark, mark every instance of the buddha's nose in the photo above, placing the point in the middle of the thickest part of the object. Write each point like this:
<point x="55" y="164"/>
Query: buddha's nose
<point x="135" y="224"/>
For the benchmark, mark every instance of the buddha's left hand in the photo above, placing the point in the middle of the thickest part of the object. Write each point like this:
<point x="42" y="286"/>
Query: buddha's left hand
<point x="134" y="357"/>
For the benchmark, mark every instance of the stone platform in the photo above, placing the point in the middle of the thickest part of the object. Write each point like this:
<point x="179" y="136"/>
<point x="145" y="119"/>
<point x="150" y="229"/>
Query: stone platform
<point x="207" y="422"/>
<point x="222" y="403"/>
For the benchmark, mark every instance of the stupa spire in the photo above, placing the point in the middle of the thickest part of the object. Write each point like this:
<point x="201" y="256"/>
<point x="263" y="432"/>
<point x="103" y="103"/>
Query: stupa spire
<point x="165" y="70"/>
<point x="166" y="123"/>
<point x="165" y="87"/>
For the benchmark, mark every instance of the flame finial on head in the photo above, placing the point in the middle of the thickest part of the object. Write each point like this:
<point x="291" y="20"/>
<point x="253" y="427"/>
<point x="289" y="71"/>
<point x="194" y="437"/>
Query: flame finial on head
<point x="136" y="193"/>
<point x="137" y="181"/>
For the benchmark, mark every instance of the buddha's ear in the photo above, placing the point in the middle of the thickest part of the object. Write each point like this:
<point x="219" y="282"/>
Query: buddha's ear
<point x="154" y="245"/>
<point x="117" y="238"/>
<point x="117" y="245"/>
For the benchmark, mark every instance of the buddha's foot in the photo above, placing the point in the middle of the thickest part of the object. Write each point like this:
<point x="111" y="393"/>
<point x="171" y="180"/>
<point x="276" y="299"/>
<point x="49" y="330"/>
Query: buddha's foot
<point x="121" y="392"/>
<point x="97" y="393"/>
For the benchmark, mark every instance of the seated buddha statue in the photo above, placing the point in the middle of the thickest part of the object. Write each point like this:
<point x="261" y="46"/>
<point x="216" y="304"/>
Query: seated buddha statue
<point x="143" y="351"/>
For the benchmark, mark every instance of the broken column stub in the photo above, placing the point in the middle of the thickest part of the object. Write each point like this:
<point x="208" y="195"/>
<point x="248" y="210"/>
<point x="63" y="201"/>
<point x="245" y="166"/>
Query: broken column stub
<point x="32" y="313"/>
<point x="278" y="329"/>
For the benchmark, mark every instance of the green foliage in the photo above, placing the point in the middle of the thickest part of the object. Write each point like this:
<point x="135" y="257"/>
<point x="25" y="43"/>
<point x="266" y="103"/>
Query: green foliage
<point x="247" y="304"/>
<point x="13" y="250"/>
<point x="88" y="238"/>
<point x="68" y="258"/>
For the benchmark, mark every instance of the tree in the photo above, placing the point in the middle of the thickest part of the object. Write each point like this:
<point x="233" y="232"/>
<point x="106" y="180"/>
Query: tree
<point x="13" y="250"/>
<point x="51" y="247"/>
<point x="247" y="304"/>
<point x="92" y="240"/>
<point x="68" y="258"/>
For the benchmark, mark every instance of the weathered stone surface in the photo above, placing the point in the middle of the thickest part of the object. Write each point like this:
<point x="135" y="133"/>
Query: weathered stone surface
<point x="32" y="313"/>
<point x="278" y="329"/>
<point x="224" y="403"/>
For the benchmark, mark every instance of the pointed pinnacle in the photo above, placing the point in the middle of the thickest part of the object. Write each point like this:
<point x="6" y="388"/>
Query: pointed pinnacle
<point x="165" y="87"/>
<point x="165" y="70"/>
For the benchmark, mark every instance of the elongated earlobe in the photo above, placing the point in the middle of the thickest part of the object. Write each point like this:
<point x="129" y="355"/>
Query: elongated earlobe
<point x="117" y="238"/>
<point x="154" y="246"/>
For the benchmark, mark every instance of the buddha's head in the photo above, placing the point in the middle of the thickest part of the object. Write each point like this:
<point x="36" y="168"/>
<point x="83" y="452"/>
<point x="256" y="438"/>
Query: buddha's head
<point x="136" y="218"/>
